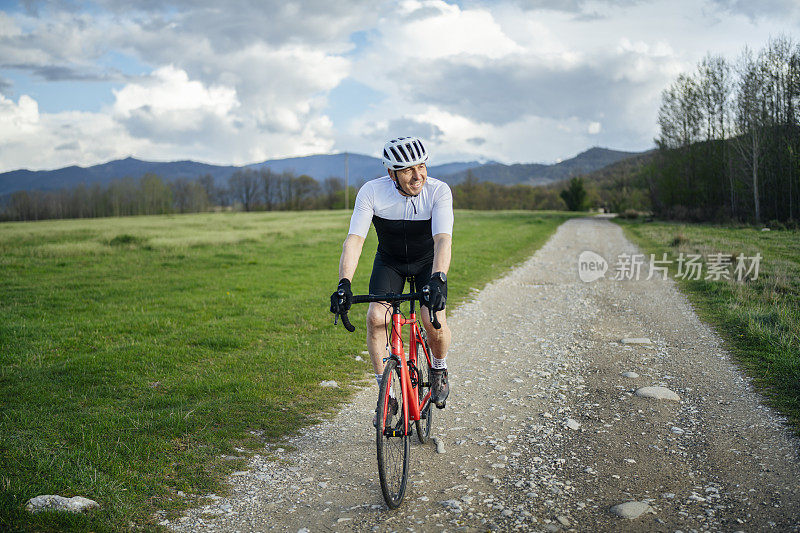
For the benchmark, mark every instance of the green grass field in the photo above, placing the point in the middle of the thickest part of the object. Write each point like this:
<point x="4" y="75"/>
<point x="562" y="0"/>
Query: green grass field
<point x="759" y="318"/>
<point x="135" y="353"/>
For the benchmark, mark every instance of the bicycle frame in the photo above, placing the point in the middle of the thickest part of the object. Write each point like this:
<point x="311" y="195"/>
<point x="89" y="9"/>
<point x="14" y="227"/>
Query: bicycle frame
<point x="412" y="408"/>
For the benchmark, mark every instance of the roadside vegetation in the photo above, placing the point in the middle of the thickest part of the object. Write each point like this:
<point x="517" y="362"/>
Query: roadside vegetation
<point x="144" y="356"/>
<point x="758" y="318"/>
<point x="729" y="145"/>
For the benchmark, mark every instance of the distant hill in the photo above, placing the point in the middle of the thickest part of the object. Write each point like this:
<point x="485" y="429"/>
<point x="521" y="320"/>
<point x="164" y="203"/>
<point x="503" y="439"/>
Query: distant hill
<point x="539" y="174"/>
<point x="319" y="167"/>
<point x="625" y="171"/>
<point x="67" y="177"/>
<point x="622" y="185"/>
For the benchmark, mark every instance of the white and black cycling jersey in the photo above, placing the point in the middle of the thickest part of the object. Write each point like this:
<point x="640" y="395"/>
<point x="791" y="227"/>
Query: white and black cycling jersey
<point x="405" y="225"/>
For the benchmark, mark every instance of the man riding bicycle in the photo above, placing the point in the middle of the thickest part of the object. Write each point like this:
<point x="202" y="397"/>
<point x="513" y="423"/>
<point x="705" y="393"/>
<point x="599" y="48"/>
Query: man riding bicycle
<point x="413" y="217"/>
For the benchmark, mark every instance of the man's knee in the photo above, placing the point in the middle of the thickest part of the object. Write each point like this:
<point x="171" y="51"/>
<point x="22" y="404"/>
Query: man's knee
<point x="426" y="321"/>
<point x="376" y="316"/>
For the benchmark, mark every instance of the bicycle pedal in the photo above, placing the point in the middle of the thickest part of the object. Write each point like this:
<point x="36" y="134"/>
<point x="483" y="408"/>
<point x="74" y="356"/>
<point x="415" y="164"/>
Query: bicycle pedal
<point x="440" y="406"/>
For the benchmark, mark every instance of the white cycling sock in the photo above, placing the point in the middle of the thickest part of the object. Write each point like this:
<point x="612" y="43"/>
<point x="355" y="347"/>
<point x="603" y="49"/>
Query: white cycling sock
<point x="439" y="364"/>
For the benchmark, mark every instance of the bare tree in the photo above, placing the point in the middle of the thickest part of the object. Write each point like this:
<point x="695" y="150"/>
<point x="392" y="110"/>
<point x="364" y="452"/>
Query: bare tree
<point x="244" y="188"/>
<point x="751" y="120"/>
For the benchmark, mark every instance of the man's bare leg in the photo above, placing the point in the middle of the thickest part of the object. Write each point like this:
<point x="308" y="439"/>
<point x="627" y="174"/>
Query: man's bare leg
<point x="377" y="318"/>
<point x="438" y="339"/>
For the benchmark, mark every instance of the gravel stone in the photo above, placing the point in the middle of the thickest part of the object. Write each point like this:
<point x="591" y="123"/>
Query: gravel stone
<point x="659" y="393"/>
<point x="636" y="340"/>
<point x="631" y="510"/>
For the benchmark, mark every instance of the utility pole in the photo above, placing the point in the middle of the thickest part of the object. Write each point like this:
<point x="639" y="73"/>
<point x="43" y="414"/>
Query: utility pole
<point x="346" y="180"/>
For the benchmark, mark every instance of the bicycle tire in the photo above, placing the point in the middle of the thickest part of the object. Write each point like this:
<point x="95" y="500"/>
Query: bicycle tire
<point x="393" y="452"/>
<point x="423" y="367"/>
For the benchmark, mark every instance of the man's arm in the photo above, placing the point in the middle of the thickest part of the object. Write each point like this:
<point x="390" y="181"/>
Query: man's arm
<point x="442" y="243"/>
<point x="351" y="251"/>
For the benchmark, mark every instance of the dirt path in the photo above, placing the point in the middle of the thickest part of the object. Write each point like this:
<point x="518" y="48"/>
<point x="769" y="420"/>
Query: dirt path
<point x="535" y="352"/>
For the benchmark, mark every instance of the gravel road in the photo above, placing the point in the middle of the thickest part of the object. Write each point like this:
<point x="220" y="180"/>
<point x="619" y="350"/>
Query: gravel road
<point x="542" y="431"/>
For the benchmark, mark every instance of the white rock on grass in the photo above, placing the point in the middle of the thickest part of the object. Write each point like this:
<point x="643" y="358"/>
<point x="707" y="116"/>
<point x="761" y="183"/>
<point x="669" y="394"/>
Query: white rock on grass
<point x="659" y="393"/>
<point x="330" y="383"/>
<point x="49" y="502"/>
<point x="636" y="340"/>
<point x="632" y="375"/>
<point x="631" y="510"/>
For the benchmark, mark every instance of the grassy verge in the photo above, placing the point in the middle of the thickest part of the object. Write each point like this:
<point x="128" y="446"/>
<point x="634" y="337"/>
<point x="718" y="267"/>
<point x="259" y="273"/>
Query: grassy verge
<point x="758" y="318"/>
<point x="139" y="355"/>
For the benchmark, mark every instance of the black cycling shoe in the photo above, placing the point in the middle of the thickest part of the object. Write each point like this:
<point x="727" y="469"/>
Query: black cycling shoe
<point x="439" y="387"/>
<point x="390" y="412"/>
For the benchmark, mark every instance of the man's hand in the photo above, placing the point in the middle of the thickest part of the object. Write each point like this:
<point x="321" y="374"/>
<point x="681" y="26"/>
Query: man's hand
<point x="346" y="300"/>
<point x="437" y="292"/>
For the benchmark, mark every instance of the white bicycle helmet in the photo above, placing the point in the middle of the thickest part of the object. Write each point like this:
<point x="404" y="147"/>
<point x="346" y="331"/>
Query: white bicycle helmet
<point x="404" y="152"/>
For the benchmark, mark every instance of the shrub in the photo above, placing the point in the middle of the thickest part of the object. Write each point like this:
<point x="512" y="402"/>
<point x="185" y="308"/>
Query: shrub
<point x="125" y="239"/>
<point x="679" y="240"/>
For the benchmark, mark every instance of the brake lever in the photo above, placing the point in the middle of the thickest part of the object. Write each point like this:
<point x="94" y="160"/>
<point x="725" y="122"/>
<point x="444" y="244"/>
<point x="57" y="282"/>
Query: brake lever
<point x="345" y="321"/>
<point x="436" y="325"/>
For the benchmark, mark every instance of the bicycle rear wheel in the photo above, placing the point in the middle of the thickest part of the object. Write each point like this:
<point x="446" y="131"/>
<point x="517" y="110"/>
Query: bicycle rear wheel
<point x="392" y="442"/>
<point x="426" y="417"/>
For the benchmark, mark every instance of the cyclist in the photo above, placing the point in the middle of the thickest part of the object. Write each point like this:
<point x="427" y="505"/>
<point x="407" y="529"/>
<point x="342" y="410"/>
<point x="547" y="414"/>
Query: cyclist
<point x="413" y="217"/>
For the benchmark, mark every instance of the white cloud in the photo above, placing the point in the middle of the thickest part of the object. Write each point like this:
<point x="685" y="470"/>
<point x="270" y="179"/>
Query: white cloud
<point x="170" y="90"/>
<point x="431" y="29"/>
<point x="30" y="139"/>
<point x="18" y="119"/>
<point x="514" y="80"/>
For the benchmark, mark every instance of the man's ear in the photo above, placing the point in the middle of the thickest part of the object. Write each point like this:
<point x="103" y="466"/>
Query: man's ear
<point x="391" y="175"/>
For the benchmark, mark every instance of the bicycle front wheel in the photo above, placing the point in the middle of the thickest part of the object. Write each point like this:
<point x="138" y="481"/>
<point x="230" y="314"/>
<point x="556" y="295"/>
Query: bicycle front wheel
<point x="393" y="446"/>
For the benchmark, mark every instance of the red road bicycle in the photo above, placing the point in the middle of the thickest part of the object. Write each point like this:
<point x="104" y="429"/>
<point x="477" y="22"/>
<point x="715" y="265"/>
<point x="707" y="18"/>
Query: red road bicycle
<point x="405" y="395"/>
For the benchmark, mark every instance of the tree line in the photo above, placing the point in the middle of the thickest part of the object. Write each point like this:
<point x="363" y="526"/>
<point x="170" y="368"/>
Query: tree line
<point x="247" y="190"/>
<point x="729" y="142"/>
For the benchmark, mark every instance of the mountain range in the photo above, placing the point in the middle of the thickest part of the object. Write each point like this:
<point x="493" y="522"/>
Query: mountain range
<point x="361" y="168"/>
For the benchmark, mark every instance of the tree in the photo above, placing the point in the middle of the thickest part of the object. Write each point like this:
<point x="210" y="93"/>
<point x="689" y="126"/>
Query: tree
<point x="574" y="195"/>
<point x="244" y="187"/>
<point x="751" y="121"/>
<point x="155" y="195"/>
<point x="189" y="195"/>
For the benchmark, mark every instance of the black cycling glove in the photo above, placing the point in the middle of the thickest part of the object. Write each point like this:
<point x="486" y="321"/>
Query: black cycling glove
<point x="437" y="292"/>
<point x="341" y="304"/>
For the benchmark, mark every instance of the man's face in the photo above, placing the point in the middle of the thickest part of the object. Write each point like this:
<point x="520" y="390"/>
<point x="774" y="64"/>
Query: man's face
<point x="412" y="179"/>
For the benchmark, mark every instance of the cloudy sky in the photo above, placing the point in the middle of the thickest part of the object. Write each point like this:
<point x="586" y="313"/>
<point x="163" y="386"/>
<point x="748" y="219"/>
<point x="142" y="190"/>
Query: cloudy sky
<point x="241" y="81"/>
